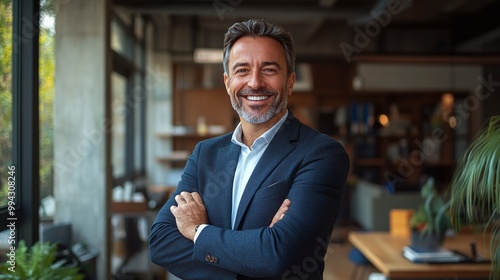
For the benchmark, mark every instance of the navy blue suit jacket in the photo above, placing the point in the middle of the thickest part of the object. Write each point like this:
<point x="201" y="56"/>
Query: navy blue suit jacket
<point x="301" y="164"/>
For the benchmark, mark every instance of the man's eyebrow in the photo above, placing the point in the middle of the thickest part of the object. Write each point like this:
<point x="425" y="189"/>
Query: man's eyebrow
<point x="265" y="63"/>
<point x="268" y="63"/>
<point x="239" y="64"/>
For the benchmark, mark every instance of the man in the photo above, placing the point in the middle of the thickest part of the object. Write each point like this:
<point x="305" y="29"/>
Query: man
<point x="259" y="203"/>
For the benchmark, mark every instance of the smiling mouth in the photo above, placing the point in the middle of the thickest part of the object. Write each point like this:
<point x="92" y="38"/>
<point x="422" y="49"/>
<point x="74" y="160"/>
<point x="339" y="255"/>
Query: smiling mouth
<point x="256" y="97"/>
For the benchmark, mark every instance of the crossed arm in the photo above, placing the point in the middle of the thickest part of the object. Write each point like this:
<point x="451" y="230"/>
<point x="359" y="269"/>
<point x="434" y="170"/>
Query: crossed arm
<point x="190" y="212"/>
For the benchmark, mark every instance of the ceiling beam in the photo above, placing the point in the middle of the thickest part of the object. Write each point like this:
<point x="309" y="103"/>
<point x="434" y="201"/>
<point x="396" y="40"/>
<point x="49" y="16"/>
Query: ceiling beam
<point x="423" y="59"/>
<point x="471" y="31"/>
<point x="379" y="7"/>
<point x="327" y="3"/>
<point x="215" y="8"/>
<point x="478" y="43"/>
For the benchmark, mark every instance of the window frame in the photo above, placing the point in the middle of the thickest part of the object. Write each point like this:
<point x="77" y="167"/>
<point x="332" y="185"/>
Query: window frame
<point x="25" y="119"/>
<point x="128" y="68"/>
<point x="4" y="213"/>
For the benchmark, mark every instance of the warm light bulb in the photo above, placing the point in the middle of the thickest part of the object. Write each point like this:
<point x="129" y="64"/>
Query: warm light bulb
<point x="383" y="120"/>
<point x="453" y="122"/>
<point x="447" y="100"/>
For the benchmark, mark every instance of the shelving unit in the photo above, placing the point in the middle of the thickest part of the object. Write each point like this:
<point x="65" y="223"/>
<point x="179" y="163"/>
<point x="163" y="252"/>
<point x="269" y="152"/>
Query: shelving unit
<point x="183" y="144"/>
<point x="197" y="96"/>
<point x="378" y="155"/>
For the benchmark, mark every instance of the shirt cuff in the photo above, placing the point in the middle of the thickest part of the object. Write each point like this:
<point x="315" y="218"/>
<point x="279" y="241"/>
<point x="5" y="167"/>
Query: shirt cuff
<point x="200" y="228"/>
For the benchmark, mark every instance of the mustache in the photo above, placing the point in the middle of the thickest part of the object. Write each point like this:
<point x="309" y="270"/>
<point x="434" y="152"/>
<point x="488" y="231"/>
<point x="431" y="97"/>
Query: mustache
<point x="260" y="91"/>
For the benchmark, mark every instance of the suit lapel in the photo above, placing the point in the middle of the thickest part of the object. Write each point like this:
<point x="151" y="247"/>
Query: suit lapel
<point x="278" y="149"/>
<point x="229" y="162"/>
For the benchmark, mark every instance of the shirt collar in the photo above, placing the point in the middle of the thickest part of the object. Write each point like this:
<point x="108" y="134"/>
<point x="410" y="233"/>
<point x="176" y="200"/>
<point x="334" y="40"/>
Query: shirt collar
<point x="266" y="136"/>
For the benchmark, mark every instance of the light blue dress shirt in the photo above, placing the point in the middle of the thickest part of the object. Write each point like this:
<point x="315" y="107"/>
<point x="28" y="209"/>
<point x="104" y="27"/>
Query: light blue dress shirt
<point x="249" y="157"/>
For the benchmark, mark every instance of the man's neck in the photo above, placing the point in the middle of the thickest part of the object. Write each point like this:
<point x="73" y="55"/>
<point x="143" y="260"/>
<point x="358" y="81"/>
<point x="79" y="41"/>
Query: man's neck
<point x="250" y="132"/>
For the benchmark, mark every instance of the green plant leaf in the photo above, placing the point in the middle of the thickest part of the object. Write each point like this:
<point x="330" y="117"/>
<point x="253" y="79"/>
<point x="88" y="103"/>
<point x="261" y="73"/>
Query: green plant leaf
<point x="37" y="263"/>
<point x="475" y="187"/>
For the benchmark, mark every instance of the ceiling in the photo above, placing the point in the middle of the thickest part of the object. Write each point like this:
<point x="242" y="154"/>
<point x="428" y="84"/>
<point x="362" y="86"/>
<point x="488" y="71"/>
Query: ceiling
<point x="320" y="27"/>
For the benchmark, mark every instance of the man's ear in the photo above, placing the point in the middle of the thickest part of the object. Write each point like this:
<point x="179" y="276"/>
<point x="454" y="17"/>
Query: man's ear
<point x="290" y="83"/>
<point x="226" y="83"/>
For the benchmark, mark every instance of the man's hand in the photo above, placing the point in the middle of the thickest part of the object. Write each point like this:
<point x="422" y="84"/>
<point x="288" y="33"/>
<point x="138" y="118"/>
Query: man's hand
<point x="281" y="212"/>
<point x="189" y="213"/>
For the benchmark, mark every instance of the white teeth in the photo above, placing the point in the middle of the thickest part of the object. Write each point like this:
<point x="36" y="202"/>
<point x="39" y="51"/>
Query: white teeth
<point x="257" y="98"/>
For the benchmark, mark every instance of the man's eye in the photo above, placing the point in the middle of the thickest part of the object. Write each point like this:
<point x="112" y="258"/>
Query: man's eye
<point x="270" y="70"/>
<point x="240" y="71"/>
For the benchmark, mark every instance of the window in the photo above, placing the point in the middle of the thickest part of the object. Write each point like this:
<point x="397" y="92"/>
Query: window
<point x="5" y="100"/>
<point x="118" y="117"/>
<point x="46" y="107"/>
<point x="19" y="42"/>
<point x="121" y="40"/>
<point x="128" y="98"/>
<point x="139" y="132"/>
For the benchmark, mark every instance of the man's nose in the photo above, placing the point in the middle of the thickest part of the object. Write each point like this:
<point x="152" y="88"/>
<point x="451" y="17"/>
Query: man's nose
<point x="256" y="81"/>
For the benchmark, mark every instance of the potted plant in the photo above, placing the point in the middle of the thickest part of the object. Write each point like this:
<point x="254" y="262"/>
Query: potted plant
<point x="475" y="188"/>
<point x="38" y="262"/>
<point x="431" y="220"/>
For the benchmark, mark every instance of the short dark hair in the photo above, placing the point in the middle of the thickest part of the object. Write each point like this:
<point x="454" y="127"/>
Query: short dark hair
<point x="259" y="28"/>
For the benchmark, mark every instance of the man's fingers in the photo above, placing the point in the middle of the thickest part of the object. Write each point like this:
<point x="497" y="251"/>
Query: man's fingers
<point x="179" y="199"/>
<point x="197" y="198"/>
<point x="173" y="209"/>
<point x="186" y="196"/>
<point x="286" y="203"/>
<point x="281" y="211"/>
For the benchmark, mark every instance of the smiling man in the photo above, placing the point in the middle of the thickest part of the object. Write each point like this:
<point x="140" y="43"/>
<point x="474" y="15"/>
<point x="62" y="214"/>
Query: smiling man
<point x="261" y="202"/>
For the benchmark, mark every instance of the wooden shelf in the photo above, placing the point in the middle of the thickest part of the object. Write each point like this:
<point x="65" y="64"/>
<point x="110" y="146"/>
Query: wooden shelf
<point x="439" y="163"/>
<point x="166" y="160"/>
<point x="175" y="156"/>
<point x="187" y="135"/>
<point x="128" y="207"/>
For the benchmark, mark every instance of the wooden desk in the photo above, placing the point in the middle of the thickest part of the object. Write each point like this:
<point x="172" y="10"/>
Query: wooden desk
<point x="385" y="253"/>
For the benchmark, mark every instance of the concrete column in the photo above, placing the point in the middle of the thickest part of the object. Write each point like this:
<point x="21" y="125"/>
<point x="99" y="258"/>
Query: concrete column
<point x="81" y="122"/>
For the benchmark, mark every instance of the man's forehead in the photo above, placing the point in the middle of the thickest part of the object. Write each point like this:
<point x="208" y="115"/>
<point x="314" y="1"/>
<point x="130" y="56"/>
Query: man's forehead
<point x="248" y="47"/>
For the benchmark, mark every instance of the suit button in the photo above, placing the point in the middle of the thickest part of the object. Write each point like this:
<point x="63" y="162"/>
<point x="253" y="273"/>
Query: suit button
<point x="210" y="259"/>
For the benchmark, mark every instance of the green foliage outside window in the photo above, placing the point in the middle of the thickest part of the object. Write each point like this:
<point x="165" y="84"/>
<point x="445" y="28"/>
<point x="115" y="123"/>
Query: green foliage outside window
<point x="46" y="94"/>
<point x="5" y="95"/>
